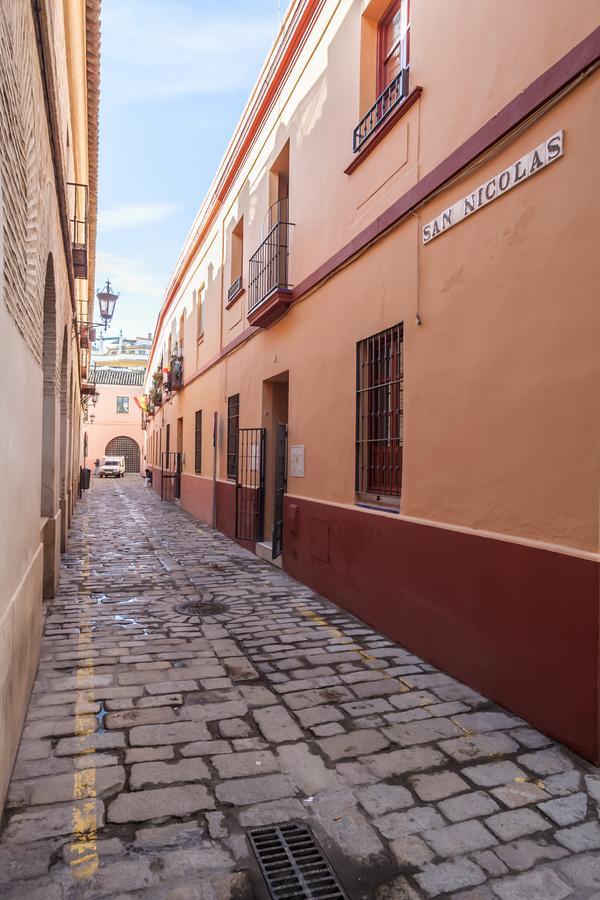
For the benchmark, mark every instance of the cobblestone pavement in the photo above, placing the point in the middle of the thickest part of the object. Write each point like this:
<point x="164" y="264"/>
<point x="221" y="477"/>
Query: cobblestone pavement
<point x="155" y="739"/>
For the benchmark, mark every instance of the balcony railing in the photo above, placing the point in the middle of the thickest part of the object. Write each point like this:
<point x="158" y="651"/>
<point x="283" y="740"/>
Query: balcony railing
<point x="269" y="265"/>
<point x="386" y="103"/>
<point x="234" y="290"/>
<point x="78" y="225"/>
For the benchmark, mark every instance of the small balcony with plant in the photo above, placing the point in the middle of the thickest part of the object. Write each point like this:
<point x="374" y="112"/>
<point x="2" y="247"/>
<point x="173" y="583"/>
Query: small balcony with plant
<point x="155" y="396"/>
<point x="176" y="371"/>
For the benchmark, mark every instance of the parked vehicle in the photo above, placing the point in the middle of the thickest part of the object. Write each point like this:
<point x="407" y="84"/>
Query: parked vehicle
<point x="112" y="466"/>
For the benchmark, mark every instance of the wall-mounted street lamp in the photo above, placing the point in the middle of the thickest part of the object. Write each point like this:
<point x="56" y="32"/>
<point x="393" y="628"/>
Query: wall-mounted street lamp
<point x="106" y="301"/>
<point x="88" y="392"/>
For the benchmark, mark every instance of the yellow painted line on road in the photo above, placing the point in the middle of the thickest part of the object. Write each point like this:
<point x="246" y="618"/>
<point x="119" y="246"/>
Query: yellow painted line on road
<point x="83" y="855"/>
<point x="335" y="632"/>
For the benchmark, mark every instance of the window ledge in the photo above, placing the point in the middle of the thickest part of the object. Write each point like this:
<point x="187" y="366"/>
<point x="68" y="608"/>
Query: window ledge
<point x="378" y="507"/>
<point x="373" y="500"/>
<point x="235" y="297"/>
<point x="383" y="129"/>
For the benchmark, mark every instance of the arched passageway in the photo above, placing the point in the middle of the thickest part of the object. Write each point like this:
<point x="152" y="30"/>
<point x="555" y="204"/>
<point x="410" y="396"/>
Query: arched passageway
<point x="127" y="447"/>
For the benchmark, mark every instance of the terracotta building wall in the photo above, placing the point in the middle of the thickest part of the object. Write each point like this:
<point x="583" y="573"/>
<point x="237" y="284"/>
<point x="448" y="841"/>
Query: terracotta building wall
<point x="40" y="433"/>
<point x="496" y="538"/>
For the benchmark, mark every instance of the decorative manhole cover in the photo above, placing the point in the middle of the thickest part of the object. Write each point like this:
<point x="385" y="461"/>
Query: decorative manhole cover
<point x="200" y="608"/>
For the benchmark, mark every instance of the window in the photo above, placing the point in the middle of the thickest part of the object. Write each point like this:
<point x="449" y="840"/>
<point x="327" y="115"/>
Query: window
<point x="393" y="41"/>
<point x="237" y="261"/>
<point x="379" y="412"/>
<point x="122" y="404"/>
<point x="168" y="442"/>
<point x="384" y="86"/>
<point x="198" y="443"/>
<point x="181" y="330"/>
<point x="233" y="426"/>
<point x="200" y="313"/>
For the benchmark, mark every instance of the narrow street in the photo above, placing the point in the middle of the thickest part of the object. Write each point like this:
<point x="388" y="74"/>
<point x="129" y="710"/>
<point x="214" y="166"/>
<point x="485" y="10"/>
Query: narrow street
<point x="156" y="739"/>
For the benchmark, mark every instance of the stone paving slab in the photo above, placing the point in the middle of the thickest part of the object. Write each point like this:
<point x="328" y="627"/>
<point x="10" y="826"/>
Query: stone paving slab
<point x="155" y="740"/>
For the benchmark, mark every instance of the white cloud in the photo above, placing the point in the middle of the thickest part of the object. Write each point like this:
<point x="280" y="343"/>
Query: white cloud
<point x="131" y="276"/>
<point x="141" y="290"/>
<point x="163" y="50"/>
<point x="133" y="215"/>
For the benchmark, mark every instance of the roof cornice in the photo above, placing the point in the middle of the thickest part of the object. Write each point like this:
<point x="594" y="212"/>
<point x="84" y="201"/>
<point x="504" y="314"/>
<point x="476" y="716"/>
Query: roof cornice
<point x="294" y="32"/>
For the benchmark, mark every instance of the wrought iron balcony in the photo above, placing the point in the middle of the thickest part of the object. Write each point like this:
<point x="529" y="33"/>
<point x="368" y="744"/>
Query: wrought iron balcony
<point x="78" y="225"/>
<point x="389" y="100"/>
<point x="87" y="336"/>
<point x="269" y="290"/>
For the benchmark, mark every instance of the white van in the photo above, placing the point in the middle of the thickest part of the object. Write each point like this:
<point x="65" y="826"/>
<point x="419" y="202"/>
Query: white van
<point x="112" y="466"/>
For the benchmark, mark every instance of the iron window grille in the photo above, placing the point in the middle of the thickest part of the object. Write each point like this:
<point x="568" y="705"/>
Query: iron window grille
<point x="233" y="427"/>
<point x="122" y="404"/>
<point x="198" y="443"/>
<point x="379" y="413"/>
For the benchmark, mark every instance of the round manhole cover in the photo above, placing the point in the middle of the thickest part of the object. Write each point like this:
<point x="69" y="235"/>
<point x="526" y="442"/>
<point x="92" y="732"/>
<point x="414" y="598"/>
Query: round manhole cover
<point x="200" y="608"/>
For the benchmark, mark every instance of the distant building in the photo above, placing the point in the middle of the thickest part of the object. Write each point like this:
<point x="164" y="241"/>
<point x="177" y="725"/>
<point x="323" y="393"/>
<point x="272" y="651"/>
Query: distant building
<point x="121" y="351"/>
<point x="114" y="424"/>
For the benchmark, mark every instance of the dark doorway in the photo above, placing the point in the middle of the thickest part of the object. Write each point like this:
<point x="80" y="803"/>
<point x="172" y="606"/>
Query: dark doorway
<point x="280" y="487"/>
<point x="275" y="420"/>
<point x="250" y="484"/>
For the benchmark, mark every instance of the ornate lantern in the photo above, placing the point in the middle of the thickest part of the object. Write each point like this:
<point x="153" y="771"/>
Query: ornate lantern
<point x="106" y="301"/>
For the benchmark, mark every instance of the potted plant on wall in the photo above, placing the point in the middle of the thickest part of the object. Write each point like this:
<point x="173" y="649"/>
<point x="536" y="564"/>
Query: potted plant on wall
<point x="176" y="370"/>
<point x="156" y="395"/>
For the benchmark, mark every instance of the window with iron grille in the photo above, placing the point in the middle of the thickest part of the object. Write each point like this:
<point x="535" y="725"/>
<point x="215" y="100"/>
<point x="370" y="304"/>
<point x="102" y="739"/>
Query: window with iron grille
<point x="198" y="443"/>
<point x="233" y="425"/>
<point x="122" y="404"/>
<point x="379" y="408"/>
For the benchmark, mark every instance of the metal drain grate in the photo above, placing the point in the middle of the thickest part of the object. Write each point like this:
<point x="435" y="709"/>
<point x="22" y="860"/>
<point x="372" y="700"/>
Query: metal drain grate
<point x="200" y="608"/>
<point x="293" y="864"/>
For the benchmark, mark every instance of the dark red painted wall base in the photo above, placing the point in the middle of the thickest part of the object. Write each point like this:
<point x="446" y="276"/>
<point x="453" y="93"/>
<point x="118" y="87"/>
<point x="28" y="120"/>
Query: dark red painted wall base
<point x="517" y="623"/>
<point x="196" y="496"/>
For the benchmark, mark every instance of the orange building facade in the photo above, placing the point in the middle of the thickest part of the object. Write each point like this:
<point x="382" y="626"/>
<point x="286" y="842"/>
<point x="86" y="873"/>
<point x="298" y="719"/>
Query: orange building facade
<point x="377" y="359"/>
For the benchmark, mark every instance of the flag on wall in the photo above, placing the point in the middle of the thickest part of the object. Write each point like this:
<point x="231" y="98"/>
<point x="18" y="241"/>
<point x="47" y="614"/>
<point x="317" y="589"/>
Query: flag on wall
<point x="142" y="402"/>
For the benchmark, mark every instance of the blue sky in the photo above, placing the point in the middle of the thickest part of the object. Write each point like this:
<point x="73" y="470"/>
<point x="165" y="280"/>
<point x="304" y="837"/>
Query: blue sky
<point x="175" y="77"/>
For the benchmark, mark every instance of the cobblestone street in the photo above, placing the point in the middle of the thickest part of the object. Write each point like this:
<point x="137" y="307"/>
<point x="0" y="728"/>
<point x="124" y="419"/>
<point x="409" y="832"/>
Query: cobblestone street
<point x="156" y="739"/>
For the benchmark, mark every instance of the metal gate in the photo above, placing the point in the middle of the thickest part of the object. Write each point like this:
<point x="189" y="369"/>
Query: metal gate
<point x="170" y="476"/>
<point x="280" y="487"/>
<point x="250" y="484"/>
<point x="127" y="447"/>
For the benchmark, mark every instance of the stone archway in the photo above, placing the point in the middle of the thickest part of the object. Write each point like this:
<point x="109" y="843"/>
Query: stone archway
<point x="127" y="447"/>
